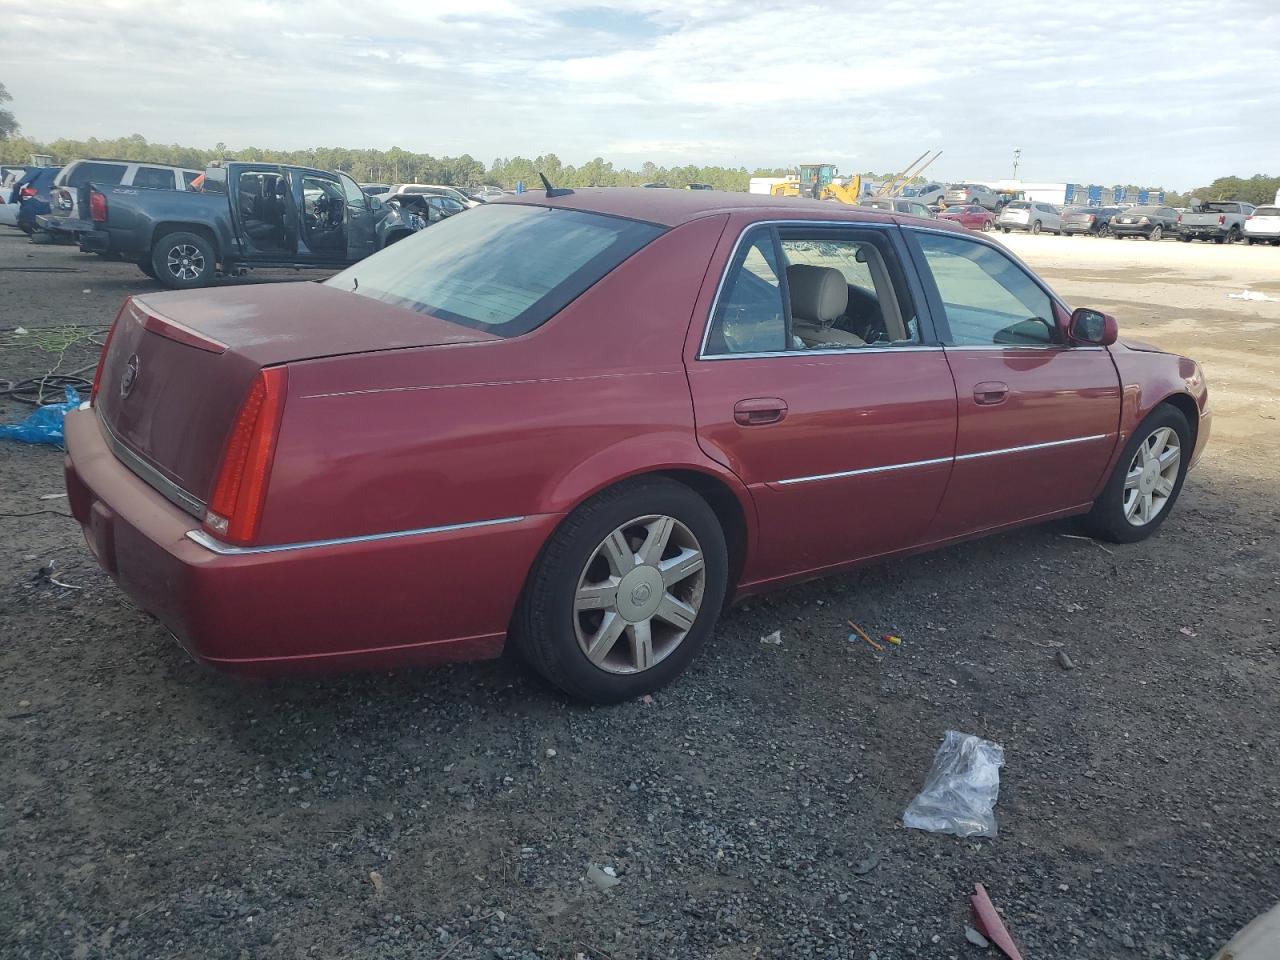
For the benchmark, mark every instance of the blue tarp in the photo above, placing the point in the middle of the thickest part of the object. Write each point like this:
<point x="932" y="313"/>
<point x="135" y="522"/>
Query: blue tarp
<point x="44" y="425"/>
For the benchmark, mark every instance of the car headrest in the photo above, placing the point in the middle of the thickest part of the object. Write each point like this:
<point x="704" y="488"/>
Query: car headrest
<point x="818" y="294"/>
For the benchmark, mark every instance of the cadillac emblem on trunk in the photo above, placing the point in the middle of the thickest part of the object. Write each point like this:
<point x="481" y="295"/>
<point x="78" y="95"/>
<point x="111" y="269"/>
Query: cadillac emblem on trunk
<point x="130" y="375"/>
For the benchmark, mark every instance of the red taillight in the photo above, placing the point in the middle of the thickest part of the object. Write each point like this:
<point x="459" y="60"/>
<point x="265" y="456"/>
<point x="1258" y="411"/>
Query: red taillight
<point x="1092" y="218"/>
<point x="97" y="207"/>
<point x="106" y="345"/>
<point x="1249" y="217"/>
<point x="1222" y="219"/>
<point x="240" y="491"/>
<point x="1179" y="218"/>
<point x="26" y="193"/>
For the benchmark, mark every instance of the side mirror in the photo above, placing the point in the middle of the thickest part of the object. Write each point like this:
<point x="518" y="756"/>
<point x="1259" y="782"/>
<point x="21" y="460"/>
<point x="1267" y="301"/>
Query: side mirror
<point x="1093" y="326"/>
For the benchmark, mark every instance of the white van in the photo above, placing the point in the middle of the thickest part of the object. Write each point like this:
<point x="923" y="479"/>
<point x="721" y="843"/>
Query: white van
<point x="64" y="219"/>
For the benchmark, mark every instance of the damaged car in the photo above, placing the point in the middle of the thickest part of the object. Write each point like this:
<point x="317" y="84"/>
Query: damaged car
<point x="582" y="422"/>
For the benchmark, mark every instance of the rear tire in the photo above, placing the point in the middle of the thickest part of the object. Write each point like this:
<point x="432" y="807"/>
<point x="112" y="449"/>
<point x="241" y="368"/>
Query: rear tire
<point x="1035" y="227"/>
<point x="1234" y="236"/>
<point x="1156" y="232"/>
<point x="1110" y="518"/>
<point x="1005" y="229"/>
<point x="554" y="630"/>
<point x="1103" y="231"/>
<point x="183" y="260"/>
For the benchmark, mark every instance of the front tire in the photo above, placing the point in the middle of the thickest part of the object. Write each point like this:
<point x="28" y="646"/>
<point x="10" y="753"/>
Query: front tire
<point x="1146" y="481"/>
<point x="625" y="592"/>
<point x="183" y="261"/>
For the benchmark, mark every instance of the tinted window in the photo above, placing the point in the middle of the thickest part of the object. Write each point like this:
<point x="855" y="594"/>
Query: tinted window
<point x="102" y="173"/>
<point x="154" y="177"/>
<point x="1267" y="212"/>
<point x="987" y="298"/>
<point x="504" y="269"/>
<point x="749" y="316"/>
<point x="1018" y="205"/>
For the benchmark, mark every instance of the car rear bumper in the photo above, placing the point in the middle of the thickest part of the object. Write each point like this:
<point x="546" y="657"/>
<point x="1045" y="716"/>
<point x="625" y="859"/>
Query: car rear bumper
<point x="1131" y="229"/>
<point x="110" y="241"/>
<point x="63" y="225"/>
<point x="363" y="603"/>
<point x="1261" y="234"/>
<point x="1204" y="233"/>
<point x="1080" y="228"/>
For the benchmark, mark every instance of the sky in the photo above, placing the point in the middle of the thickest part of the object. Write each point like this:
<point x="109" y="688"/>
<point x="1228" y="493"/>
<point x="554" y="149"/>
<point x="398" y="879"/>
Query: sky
<point x="1090" y="91"/>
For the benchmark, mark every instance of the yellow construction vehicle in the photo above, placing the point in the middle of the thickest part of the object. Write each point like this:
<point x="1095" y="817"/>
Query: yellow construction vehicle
<point x="829" y="187"/>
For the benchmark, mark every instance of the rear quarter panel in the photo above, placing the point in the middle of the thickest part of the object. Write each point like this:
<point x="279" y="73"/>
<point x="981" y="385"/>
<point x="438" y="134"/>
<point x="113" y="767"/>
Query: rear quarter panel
<point x="533" y="425"/>
<point x="144" y="214"/>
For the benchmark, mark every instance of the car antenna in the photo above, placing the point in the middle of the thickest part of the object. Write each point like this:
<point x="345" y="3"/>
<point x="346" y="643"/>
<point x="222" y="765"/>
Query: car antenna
<point x="553" y="191"/>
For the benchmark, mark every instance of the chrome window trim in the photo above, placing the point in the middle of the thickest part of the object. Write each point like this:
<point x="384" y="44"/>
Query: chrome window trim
<point x="937" y="460"/>
<point x="868" y="350"/>
<point x="150" y="475"/>
<point x="226" y="549"/>
<point x="733" y="256"/>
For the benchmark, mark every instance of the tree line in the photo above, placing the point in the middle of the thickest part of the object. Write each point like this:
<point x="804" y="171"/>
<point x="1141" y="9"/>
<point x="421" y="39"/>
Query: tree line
<point x="400" y="166"/>
<point x="404" y="166"/>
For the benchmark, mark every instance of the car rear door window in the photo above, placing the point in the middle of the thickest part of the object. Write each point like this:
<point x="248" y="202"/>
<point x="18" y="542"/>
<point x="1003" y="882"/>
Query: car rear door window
<point x="987" y="298"/>
<point x="101" y="173"/>
<point x="749" y="315"/>
<point x="156" y="178"/>
<point x="189" y="177"/>
<point x="503" y="268"/>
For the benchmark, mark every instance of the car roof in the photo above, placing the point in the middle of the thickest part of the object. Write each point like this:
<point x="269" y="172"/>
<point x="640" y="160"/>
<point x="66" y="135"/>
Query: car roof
<point x="673" y="207"/>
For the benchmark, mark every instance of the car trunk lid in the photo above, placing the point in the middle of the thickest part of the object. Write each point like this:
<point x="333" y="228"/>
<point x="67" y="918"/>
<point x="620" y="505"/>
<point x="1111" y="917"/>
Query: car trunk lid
<point x="178" y="367"/>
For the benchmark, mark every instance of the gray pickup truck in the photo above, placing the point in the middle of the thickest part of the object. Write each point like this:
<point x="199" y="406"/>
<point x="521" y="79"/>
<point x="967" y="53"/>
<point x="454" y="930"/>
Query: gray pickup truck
<point x="241" y="215"/>
<point x="1221" y="221"/>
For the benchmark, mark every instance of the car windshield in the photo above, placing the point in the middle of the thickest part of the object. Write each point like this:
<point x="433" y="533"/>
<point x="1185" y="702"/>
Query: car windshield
<point x="503" y="268"/>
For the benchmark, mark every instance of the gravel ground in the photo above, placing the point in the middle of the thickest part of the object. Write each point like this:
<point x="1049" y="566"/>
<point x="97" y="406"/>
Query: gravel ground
<point x="150" y="808"/>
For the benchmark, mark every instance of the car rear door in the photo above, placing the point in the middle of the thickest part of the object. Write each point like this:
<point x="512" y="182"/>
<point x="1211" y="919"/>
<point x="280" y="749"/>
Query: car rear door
<point x="845" y="444"/>
<point x="1038" y="417"/>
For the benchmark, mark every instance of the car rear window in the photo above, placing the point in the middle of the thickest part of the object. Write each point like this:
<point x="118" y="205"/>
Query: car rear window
<point x="105" y="173"/>
<point x="1267" y="212"/>
<point x="502" y="268"/>
<point x="154" y="177"/>
<point x="1018" y="205"/>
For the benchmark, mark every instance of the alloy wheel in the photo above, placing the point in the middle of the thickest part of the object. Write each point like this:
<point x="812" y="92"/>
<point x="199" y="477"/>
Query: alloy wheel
<point x="185" y="261"/>
<point x="639" y="594"/>
<point x="1152" y="476"/>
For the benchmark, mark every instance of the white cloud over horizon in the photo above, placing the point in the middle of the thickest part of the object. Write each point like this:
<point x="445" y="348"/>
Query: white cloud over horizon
<point x="1097" y="91"/>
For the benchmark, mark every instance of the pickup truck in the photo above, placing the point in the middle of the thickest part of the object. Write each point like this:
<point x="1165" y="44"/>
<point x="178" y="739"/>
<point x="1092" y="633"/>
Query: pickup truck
<point x="1221" y="221"/>
<point x="241" y="215"/>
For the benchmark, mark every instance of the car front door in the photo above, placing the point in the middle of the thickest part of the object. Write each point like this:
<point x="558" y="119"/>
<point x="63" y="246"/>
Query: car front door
<point x="361" y="237"/>
<point x="1038" y="417"/>
<point x="815" y="378"/>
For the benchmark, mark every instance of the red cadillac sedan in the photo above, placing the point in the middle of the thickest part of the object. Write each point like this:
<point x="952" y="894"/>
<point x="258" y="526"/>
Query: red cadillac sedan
<point x="586" y="420"/>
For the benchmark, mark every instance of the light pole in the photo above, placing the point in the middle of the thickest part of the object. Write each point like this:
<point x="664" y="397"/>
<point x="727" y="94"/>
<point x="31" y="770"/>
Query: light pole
<point x="1017" y="154"/>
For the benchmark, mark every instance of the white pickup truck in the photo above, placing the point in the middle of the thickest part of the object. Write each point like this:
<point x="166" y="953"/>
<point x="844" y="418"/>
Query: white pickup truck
<point x="1221" y="221"/>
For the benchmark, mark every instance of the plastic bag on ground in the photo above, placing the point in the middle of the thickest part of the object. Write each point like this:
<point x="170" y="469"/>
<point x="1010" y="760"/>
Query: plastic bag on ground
<point x="959" y="795"/>
<point x="44" y="424"/>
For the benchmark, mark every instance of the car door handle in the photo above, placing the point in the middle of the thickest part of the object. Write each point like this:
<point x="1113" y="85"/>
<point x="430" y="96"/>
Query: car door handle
<point x="759" y="410"/>
<point x="990" y="392"/>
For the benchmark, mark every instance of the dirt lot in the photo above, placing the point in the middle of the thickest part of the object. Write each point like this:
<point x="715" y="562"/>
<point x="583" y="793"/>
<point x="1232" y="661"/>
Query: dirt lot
<point x="149" y="808"/>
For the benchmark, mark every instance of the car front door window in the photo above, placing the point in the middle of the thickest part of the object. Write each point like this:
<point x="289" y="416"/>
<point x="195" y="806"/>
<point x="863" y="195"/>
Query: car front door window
<point x="987" y="299"/>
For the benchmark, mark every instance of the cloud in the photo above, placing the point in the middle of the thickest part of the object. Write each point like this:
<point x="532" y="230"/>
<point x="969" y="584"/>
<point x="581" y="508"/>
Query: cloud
<point x="1093" y="91"/>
